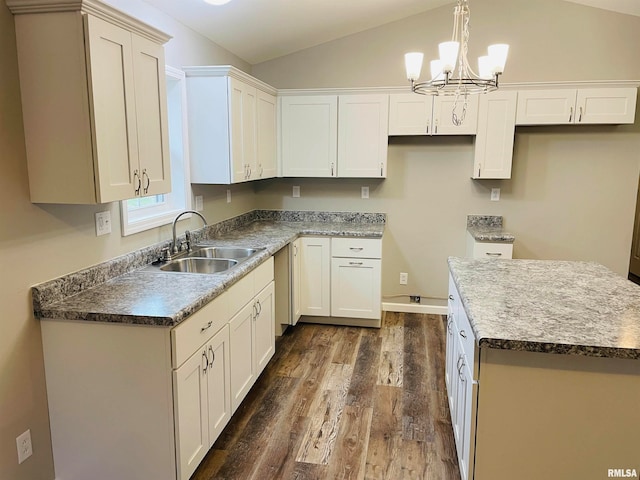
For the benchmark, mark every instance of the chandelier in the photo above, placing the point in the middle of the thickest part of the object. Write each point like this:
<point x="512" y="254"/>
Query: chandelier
<point x="451" y="74"/>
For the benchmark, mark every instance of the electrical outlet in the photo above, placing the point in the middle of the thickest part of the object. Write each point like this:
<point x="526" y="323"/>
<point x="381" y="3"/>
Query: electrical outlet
<point x="404" y="278"/>
<point x="103" y="223"/>
<point x="364" y="192"/>
<point x="228" y="195"/>
<point x="296" y="191"/>
<point x="23" y="442"/>
<point x="495" y="194"/>
<point x="199" y="203"/>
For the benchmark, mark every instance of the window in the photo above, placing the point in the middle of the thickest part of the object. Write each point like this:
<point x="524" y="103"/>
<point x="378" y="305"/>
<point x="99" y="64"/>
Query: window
<point x="140" y="214"/>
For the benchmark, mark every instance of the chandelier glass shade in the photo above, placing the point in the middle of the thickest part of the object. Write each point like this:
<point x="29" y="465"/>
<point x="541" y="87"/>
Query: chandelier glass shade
<point x="451" y="74"/>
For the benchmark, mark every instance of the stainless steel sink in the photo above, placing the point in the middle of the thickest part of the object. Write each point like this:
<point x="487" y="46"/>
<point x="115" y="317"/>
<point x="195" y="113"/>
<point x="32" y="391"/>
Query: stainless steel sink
<point x="235" y="253"/>
<point x="199" y="265"/>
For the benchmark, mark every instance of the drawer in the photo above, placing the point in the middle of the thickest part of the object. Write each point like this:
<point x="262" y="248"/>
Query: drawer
<point x="356" y="247"/>
<point x="262" y="276"/>
<point x="492" y="250"/>
<point x="244" y="290"/>
<point x="198" y="329"/>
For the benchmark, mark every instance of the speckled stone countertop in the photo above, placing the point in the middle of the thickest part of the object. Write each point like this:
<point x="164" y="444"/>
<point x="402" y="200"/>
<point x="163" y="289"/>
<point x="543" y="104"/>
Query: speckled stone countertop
<point x="579" y="308"/>
<point x="127" y="290"/>
<point x="488" y="228"/>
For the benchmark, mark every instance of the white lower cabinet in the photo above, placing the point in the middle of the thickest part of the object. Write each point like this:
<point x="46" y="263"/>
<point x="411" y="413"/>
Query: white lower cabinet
<point x="479" y="250"/>
<point x="201" y="401"/>
<point x="341" y="277"/>
<point x="461" y="380"/>
<point x="163" y="394"/>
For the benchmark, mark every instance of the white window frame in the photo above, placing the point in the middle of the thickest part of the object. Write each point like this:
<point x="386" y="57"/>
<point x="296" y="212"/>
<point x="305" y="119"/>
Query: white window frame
<point x="180" y="198"/>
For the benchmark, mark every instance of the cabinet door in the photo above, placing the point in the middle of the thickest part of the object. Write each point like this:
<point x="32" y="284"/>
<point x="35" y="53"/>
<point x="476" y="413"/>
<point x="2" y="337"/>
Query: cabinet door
<point x="355" y="288"/>
<point x="463" y="417"/>
<point x="546" y="107"/>
<point x="315" y="281"/>
<point x="450" y="362"/>
<point x="410" y="114"/>
<point x="309" y="136"/>
<point x="113" y="106"/>
<point x="242" y="120"/>
<point x="494" y="141"/>
<point x="362" y="135"/>
<point x="151" y="116"/>
<point x="606" y="105"/>
<point x="295" y="282"/>
<point x="264" y="321"/>
<point x="443" y="109"/>
<point x="266" y="132"/>
<point x="218" y="384"/>
<point x="190" y="411"/>
<point x="241" y="349"/>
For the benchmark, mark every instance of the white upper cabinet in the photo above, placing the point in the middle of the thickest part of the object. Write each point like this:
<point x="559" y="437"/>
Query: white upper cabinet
<point x="95" y="117"/>
<point x="583" y="105"/>
<point x="309" y="136"/>
<point x="362" y="135"/>
<point x="334" y="136"/>
<point x="493" y="153"/>
<point x="232" y="126"/>
<point x="414" y="114"/>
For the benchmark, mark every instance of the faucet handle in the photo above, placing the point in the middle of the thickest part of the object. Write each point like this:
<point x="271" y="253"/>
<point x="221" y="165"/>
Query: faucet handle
<point x="165" y="254"/>
<point x="187" y="235"/>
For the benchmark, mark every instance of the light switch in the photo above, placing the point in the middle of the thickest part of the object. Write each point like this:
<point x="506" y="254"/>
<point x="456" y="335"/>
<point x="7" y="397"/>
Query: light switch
<point x="296" y="191"/>
<point x="199" y="203"/>
<point x="495" y="194"/>
<point x="103" y="223"/>
<point x="364" y="192"/>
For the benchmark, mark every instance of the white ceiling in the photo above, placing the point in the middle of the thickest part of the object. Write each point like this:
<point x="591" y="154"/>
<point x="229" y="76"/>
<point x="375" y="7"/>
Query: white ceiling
<point x="259" y="30"/>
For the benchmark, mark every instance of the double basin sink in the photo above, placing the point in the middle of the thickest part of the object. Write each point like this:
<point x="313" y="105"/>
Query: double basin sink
<point x="208" y="259"/>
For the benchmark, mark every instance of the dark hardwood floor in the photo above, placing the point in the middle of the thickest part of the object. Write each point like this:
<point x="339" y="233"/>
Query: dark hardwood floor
<point x="344" y="403"/>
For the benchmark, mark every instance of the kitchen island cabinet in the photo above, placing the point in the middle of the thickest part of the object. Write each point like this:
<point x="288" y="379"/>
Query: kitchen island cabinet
<point x="553" y="353"/>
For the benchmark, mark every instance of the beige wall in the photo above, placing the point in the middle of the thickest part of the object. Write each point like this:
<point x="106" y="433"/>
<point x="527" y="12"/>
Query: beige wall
<point x="41" y="242"/>
<point x="572" y="192"/>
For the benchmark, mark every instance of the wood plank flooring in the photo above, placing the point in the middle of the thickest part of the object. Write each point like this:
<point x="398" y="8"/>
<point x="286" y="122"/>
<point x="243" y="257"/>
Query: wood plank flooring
<point x="345" y="403"/>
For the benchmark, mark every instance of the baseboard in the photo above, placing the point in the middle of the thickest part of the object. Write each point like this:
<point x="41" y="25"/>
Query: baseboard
<point x="432" y="306"/>
<point x="344" y="321"/>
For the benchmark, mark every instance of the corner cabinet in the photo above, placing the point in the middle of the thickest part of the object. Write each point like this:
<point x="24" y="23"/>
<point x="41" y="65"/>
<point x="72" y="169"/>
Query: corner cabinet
<point x="232" y="126"/>
<point x="493" y="153"/>
<point x="334" y="135"/>
<point x="576" y="106"/>
<point x="95" y="118"/>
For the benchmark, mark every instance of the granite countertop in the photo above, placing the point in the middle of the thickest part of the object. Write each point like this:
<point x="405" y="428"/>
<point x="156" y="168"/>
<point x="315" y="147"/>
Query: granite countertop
<point x="126" y="290"/>
<point x="488" y="228"/>
<point x="579" y="308"/>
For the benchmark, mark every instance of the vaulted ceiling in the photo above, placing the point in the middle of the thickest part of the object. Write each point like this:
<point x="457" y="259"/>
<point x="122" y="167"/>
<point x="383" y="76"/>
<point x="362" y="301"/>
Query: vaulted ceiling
<point x="259" y="30"/>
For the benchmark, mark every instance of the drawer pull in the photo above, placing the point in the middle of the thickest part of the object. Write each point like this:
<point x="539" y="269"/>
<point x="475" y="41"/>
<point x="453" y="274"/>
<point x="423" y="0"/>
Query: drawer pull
<point x="451" y="298"/>
<point x="356" y="249"/>
<point x="493" y="254"/>
<point x="355" y="263"/>
<point x="206" y="327"/>
<point x="463" y="334"/>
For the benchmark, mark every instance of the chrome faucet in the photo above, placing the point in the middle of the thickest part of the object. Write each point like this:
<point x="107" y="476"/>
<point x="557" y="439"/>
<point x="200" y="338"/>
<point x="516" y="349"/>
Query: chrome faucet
<point x="174" y="247"/>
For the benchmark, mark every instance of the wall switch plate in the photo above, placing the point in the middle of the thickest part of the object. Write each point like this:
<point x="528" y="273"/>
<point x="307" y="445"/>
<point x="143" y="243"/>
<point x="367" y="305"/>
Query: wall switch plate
<point x="364" y="192"/>
<point x="229" y="196"/>
<point x="25" y="449"/>
<point x="103" y="223"/>
<point x="404" y="278"/>
<point x="199" y="203"/>
<point x="495" y="194"/>
<point x="296" y="191"/>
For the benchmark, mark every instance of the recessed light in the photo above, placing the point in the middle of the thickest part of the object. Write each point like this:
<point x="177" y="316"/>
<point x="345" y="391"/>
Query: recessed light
<point x="217" y="2"/>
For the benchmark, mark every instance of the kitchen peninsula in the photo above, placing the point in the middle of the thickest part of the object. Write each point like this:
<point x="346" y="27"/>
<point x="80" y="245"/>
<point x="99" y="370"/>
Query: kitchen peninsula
<point x="543" y="369"/>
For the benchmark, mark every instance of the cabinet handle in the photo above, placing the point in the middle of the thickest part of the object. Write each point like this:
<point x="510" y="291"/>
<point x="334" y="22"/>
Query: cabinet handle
<point x="259" y="307"/>
<point x="463" y="334"/>
<point x="332" y="169"/>
<point x="493" y="254"/>
<point x="206" y="361"/>
<point x="206" y="327"/>
<point x="460" y="363"/>
<point x="355" y="263"/>
<point x="295" y="250"/>
<point x="145" y="174"/>
<point x="479" y="166"/>
<point x="136" y="176"/>
<point x="249" y="176"/>
<point x="381" y="169"/>
<point x="450" y="323"/>
<point x="356" y="249"/>
<point x="570" y="114"/>
<point x="213" y="356"/>
<point x="580" y="115"/>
